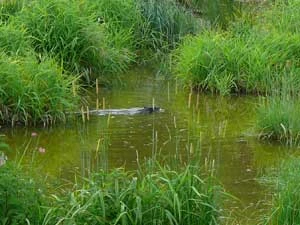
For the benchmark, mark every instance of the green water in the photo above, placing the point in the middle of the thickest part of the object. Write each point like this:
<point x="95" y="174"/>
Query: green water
<point x="221" y="126"/>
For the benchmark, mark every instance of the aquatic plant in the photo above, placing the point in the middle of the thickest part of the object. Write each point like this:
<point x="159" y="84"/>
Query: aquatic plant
<point x="278" y="119"/>
<point x="34" y="92"/>
<point x="286" y="200"/>
<point x="160" y="196"/>
<point x="19" y="196"/>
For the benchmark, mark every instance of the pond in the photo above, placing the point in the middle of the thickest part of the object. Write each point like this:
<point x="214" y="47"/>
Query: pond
<point x="221" y="126"/>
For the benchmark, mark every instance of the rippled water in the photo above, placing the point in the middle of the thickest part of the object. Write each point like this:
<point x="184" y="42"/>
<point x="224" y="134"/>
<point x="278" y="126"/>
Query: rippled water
<point x="221" y="126"/>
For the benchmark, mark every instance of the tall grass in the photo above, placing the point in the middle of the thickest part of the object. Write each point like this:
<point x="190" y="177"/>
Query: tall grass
<point x="218" y="12"/>
<point x="286" y="203"/>
<point x="63" y="30"/>
<point x="20" y="196"/>
<point x="117" y="15"/>
<point x="246" y="58"/>
<point x="8" y="8"/>
<point x="278" y="119"/>
<point x="14" y="40"/>
<point x="160" y="196"/>
<point x="153" y="194"/>
<point x="284" y="16"/>
<point x="33" y="92"/>
<point x="165" y="23"/>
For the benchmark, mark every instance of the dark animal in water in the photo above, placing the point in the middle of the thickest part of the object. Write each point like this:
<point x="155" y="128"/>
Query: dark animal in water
<point x="130" y="111"/>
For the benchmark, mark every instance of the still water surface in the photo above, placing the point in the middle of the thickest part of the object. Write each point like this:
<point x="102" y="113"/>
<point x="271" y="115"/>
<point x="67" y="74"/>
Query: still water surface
<point x="221" y="126"/>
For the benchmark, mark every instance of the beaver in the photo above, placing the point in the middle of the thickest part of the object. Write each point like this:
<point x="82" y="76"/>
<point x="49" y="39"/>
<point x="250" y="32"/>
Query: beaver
<point x="129" y="111"/>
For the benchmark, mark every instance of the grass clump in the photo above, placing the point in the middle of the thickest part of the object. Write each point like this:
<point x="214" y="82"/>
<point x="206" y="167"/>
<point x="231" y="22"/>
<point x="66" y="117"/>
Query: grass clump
<point x="165" y="23"/>
<point x="20" y="196"/>
<point x="9" y="8"/>
<point x="14" y="40"/>
<point x="218" y="12"/>
<point x="248" y="57"/>
<point x="278" y="119"/>
<point x="160" y="196"/>
<point x="286" y="202"/>
<point x="284" y="16"/>
<point x="63" y="30"/>
<point x="33" y="92"/>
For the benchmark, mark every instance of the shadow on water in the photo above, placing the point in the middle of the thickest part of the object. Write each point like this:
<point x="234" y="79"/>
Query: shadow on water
<point x="224" y="126"/>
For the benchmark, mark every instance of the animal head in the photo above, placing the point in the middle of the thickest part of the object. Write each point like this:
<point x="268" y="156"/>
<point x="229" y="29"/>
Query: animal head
<point x="151" y="109"/>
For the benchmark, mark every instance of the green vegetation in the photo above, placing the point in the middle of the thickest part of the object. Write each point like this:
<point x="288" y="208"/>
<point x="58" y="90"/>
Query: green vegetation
<point x="14" y="40"/>
<point x="50" y="49"/>
<point x="61" y="30"/>
<point x="278" y="119"/>
<point x="218" y="12"/>
<point x="32" y="92"/>
<point x="152" y="196"/>
<point x="166" y="23"/>
<point x="87" y="39"/>
<point x="20" y="196"/>
<point x="248" y="57"/>
<point x="286" y="202"/>
<point x="255" y="54"/>
<point x="162" y="196"/>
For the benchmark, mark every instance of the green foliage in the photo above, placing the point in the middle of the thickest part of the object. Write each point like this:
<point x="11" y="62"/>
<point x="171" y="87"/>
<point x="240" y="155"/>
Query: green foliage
<point x="9" y="8"/>
<point x="63" y="30"/>
<point x="118" y="14"/>
<point x="14" y="40"/>
<point x="286" y="203"/>
<point x="284" y="16"/>
<point x="32" y="92"/>
<point x="19" y="197"/>
<point x="278" y="119"/>
<point x="165" y="23"/>
<point x="246" y="58"/>
<point x="217" y="12"/>
<point x="160" y="196"/>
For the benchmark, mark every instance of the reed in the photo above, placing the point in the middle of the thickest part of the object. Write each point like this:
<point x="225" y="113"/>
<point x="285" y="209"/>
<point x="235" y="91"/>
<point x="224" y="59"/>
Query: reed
<point x="277" y="119"/>
<point x="9" y="8"/>
<point x="162" y="196"/>
<point x="224" y="62"/>
<point x="165" y="23"/>
<point x="33" y="92"/>
<point x="20" y="196"/>
<point x="286" y="199"/>
<point x="69" y="32"/>
<point x="217" y="13"/>
<point x="14" y="40"/>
